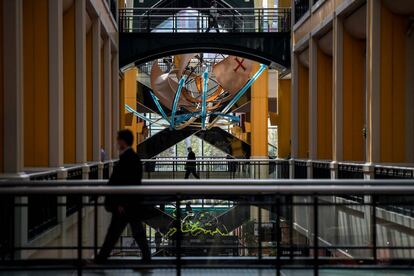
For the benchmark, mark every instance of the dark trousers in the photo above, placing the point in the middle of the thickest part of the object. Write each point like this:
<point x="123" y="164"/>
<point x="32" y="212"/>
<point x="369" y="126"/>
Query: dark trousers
<point x="117" y="226"/>
<point x="192" y="171"/>
<point x="212" y="24"/>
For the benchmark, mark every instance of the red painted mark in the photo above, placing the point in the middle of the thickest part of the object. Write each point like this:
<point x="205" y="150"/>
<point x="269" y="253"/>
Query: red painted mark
<point x="239" y="64"/>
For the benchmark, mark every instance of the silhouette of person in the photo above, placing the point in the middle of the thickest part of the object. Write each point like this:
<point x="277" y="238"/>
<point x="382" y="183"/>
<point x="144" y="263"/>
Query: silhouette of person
<point x="212" y="18"/>
<point x="158" y="240"/>
<point x="190" y="165"/>
<point x="125" y="208"/>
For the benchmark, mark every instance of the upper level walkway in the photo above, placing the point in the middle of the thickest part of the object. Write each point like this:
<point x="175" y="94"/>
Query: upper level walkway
<point x="259" y="34"/>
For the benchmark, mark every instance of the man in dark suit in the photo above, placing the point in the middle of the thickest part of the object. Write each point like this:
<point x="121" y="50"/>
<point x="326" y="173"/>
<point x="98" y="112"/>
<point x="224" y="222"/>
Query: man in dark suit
<point x="190" y="165"/>
<point x="125" y="209"/>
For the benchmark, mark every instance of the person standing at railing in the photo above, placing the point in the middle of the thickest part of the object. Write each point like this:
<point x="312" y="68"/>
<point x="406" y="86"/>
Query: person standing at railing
<point x="125" y="209"/>
<point x="212" y="18"/>
<point x="191" y="165"/>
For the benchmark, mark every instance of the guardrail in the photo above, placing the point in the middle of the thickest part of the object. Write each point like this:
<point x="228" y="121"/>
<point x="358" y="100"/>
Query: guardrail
<point x="144" y="20"/>
<point x="218" y="168"/>
<point x="278" y="239"/>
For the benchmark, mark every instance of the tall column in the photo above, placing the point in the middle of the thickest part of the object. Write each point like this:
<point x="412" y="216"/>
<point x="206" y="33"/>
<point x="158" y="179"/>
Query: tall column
<point x="259" y="116"/>
<point x="13" y="85"/>
<point x="96" y="79"/>
<point x="80" y="42"/>
<point x="107" y="98"/>
<point x="55" y="83"/>
<point x="373" y="81"/>
<point x="294" y="108"/>
<point x="115" y="100"/>
<point x="313" y="98"/>
<point x="338" y="53"/>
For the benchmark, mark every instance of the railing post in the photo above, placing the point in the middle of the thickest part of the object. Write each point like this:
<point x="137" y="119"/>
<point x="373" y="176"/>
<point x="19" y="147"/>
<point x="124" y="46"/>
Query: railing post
<point x="178" y="237"/>
<point x="333" y="166"/>
<point x="278" y="236"/>
<point x="309" y="169"/>
<point x="62" y="174"/>
<point x="315" y="237"/>
<point x="374" y="228"/>
<point x="369" y="171"/>
<point x="291" y="169"/>
<point x="100" y="170"/>
<point x="80" y="236"/>
<point x="260" y="232"/>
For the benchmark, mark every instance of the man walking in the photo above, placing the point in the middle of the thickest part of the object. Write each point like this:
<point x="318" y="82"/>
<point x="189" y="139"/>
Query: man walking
<point x="212" y="18"/>
<point x="190" y="165"/>
<point x="124" y="208"/>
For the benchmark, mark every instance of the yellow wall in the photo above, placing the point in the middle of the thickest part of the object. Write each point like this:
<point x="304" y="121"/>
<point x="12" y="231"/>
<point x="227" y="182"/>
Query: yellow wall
<point x="283" y="108"/>
<point x="89" y="97"/>
<point x="285" y="3"/>
<point x="353" y="98"/>
<point x="36" y="83"/>
<point x="1" y="89"/>
<point x="130" y="98"/>
<point x="259" y="115"/>
<point x="303" y="110"/>
<point x="392" y="87"/>
<point x="324" y="106"/>
<point x="69" y="83"/>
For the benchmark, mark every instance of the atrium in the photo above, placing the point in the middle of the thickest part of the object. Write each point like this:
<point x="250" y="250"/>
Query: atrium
<point x="207" y="137"/>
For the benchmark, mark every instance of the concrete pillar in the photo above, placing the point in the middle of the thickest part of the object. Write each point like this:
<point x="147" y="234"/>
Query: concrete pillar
<point x="373" y="81"/>
<point x="338" y="53"/>
<point x="107" y="98"/>
<point x="96" y="79"/>
<point x="115" y="101"/>
<point x="313" y="98"/>
<point x="80" y="42"/>
<point x="294" y="108"/>
<point x="55" y="83"/>
<point x="13" y="85"/>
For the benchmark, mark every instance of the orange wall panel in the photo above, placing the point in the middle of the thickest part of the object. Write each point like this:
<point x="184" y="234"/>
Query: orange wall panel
<point x="36" y="83"/>
<point x="69" y="82"/>
<point x="324" y="106"/>
<point x="130" y="98"/>
<point x="303" y="110"/>
<point x="392" y="88"/>
<point x="89" y="97"/>
<point x="353" y="98"/>
<point x="283" y="130"/>
<point x="259" y="115"/>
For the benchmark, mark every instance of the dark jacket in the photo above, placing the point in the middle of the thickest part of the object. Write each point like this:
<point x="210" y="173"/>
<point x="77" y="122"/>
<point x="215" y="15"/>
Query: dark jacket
<point x="190" y="164"/>
<point x="128" y="171"/>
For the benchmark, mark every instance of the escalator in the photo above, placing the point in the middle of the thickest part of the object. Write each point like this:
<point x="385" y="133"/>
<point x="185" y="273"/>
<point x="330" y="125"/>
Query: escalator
<point x="225" y="141"/>
<point x="234" y="217"/>
<point x="162" y="141"/>
<point x="160" y="220"/>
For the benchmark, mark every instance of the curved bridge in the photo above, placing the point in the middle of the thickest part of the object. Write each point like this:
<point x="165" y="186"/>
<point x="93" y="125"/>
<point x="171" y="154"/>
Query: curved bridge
<point x="262" y="35"/>
<point x="272" y="49"/>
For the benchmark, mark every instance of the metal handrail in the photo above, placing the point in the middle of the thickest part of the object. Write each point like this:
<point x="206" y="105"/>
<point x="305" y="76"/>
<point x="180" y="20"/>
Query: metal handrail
<point x="237" y="18"/>
<point x="214" y="160"/>
<point x="212" y="187"/>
